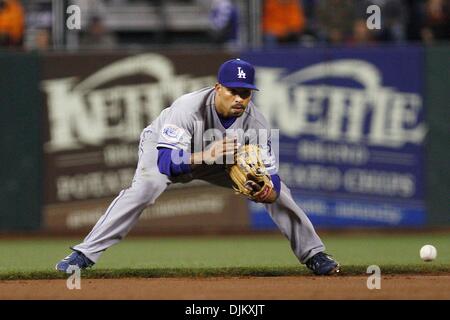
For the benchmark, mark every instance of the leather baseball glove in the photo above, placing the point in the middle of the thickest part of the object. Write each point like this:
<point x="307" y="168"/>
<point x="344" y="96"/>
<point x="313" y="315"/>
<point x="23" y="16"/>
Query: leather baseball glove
<point x="249" y="174"/>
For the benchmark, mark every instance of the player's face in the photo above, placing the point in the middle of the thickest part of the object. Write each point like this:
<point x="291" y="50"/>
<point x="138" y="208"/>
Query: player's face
<point x="232" y="102"/>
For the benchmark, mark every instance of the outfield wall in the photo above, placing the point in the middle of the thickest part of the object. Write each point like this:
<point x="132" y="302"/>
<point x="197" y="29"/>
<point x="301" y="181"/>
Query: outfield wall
<point x="363" y="136"/>
<point x="437" y="169"/>
<point x="21" y="146"/>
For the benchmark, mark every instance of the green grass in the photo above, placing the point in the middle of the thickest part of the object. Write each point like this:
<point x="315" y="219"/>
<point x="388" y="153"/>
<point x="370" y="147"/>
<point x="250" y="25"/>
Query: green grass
<point x="224" y="256"/>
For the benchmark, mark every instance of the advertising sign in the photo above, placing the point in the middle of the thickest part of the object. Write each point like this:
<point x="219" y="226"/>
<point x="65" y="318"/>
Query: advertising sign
<point x="95" y="107"/>
<point x="352" y="128"/>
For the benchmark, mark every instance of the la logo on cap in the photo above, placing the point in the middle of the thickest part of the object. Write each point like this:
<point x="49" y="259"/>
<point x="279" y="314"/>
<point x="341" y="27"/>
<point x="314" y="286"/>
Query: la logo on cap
<point x="241" y="73"/>
<point x="237" y="73"/>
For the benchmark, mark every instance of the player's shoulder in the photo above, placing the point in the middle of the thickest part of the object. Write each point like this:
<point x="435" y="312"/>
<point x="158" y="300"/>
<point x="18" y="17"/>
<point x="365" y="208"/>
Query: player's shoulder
<point x="193" y="101"/>
<point x="255" y="118"/>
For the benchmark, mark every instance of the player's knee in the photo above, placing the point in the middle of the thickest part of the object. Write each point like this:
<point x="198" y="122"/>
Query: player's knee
<point x="147" y="191"/>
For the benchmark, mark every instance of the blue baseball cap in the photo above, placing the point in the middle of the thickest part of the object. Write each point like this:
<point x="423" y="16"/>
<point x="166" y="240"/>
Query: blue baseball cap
<point x="237" y="73"/>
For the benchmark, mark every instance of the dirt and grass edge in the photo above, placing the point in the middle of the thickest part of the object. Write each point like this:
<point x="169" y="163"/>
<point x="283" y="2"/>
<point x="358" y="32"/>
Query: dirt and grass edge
<point x="348" y="270"/>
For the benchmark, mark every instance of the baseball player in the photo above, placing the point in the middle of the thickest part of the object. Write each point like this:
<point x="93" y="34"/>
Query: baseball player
<point x="192" y="139"/>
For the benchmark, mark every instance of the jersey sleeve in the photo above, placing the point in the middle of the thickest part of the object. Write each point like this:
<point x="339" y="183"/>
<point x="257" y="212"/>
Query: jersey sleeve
<point x="176" y="131"/>
<point x="268" y="157"/>
<point x="262" y="136"/>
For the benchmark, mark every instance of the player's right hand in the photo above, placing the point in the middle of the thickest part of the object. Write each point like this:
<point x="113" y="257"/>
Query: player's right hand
<point x="220" y="150"/>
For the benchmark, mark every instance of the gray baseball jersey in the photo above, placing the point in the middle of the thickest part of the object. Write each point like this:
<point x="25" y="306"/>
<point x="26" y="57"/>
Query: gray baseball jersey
<point x="191" y="123"/>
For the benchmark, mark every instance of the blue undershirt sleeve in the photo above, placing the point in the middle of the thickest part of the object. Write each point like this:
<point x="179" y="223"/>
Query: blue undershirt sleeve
<point x="168" y="167"/>
<point x="276" y="183"/>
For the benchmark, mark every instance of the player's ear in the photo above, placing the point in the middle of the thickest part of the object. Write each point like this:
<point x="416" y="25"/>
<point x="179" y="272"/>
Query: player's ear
<point x="217" y="86"/>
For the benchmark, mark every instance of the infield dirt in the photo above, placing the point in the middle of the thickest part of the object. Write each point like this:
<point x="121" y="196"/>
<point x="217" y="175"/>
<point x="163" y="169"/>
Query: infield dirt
<point x="230" y="288"/>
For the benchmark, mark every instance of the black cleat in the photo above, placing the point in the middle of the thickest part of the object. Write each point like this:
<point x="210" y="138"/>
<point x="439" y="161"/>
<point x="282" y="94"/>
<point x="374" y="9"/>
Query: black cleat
<point x="75" y="260"/>
<point x="322" y="264"/>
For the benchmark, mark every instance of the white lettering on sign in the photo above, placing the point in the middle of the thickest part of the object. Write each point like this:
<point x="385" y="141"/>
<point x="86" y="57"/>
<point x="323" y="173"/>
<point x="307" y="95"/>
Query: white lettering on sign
<point x="80" y="114"/>
<point x="373" y="115"/>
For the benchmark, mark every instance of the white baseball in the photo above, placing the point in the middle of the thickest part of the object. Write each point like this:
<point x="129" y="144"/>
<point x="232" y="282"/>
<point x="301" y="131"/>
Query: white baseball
<point x="428" y="252"/>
